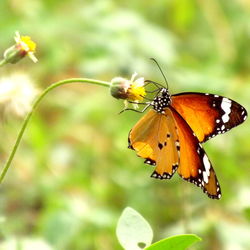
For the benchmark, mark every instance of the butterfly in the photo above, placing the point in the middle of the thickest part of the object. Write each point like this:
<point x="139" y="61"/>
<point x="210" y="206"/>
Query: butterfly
<point x="170" y="135"/>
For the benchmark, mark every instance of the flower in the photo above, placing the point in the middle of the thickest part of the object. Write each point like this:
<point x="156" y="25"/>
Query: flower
<point x="16" y="94"/>
<point x="24" y="46"/>
<point x="131" y="90"/>
<point x="136" y="90"/>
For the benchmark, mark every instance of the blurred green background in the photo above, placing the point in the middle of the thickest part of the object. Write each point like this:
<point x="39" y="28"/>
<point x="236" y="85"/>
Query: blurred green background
<point x="73" y="174"/>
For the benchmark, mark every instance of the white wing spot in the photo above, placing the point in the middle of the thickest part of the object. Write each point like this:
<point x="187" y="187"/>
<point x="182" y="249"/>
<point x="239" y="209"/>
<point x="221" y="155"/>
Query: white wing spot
<point x="205" y="177"/>
<point x="206" y="164"/>
<point x="226" y="107"/>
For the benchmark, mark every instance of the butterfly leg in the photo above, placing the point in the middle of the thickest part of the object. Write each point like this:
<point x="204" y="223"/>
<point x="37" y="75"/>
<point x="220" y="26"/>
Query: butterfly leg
<point x="138" y="111"/>
<point x="144" y="103"/>
<point x="153" y="91"/>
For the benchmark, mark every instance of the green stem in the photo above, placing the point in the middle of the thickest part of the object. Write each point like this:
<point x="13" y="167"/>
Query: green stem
<point x="38" y="100"/>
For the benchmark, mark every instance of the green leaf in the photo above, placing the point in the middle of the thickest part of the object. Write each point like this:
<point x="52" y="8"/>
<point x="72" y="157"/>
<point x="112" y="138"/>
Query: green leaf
<point x="133" y="231"/>
<point x="178" y="242"/>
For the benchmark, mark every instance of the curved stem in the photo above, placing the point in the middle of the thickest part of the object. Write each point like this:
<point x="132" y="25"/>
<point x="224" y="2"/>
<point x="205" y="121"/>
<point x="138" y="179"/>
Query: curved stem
<point x="38" y="100"/>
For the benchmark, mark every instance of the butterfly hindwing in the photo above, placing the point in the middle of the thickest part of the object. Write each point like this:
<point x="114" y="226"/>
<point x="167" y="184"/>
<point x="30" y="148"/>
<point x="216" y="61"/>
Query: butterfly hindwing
<point x="208" y="115"/>
<point x="154" y="138"/>
<point x="194" y="165"/>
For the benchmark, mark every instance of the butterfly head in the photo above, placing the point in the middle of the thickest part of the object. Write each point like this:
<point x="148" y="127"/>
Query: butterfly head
<point x="162" y="101"/>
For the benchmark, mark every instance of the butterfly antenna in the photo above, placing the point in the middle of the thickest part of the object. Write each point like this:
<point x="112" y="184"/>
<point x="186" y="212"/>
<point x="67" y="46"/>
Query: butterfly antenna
<point x="160" y="71"/>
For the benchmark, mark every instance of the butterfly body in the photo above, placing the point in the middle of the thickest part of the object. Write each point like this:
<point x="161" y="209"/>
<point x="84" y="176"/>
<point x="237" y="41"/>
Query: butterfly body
<point x="161" y="101"/>
<point x="169" y="136"/>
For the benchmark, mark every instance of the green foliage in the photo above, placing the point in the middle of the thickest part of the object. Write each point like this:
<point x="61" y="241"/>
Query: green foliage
<point x="247" y="213"/>
<point x="178" y="242"/>
<point x="73" y="174"/>
<point x="135" y="233"/>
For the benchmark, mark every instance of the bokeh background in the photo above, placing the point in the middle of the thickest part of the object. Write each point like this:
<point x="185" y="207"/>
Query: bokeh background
<point x="73" y="174"/>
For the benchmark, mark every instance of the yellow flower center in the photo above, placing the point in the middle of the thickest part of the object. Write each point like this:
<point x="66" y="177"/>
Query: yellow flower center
<point x="136" y="93"/>
<point x="27" y="44"/>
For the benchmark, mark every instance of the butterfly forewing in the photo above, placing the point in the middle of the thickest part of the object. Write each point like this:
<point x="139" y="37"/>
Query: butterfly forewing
<point x="194" y="165"/>
<point x="155" y="139"/>
<point x="208" y="115"/>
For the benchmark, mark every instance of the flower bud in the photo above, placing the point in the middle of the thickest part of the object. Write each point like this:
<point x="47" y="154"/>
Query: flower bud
<point x="119" y="88"/>
<point x="12" y="55"/>
<point x="131" y="90"/>
<point x="24" y="46"/>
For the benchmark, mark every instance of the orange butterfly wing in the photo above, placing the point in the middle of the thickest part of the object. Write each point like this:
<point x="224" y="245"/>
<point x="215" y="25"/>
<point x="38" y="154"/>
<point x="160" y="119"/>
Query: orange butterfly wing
<point x="208" y="115"/>
<point x="169" y="135"/>
<point x="154" y="138"/>
<point x="194" y="165"/>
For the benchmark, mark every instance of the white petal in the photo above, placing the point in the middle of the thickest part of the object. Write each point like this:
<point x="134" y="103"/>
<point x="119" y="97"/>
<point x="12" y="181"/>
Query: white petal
<point x="133" y="77"/>
<point x="140" y="82"/>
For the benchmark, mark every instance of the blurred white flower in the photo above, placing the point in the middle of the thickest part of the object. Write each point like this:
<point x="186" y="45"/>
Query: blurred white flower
<point x="16" y="94"/>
